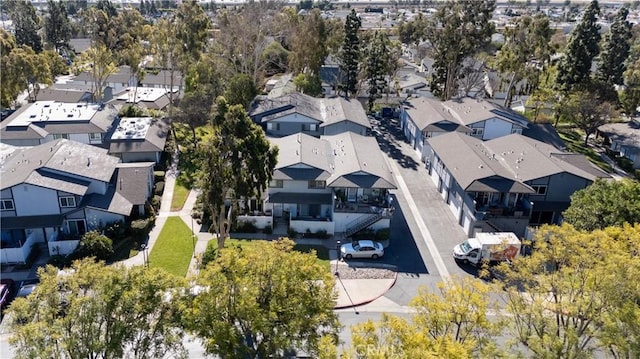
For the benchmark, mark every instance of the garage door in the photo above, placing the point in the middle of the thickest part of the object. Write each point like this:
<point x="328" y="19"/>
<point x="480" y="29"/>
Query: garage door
<point x="466" y="222"/>
<point x="454" y="205"/>
<point x="434" y="177"/>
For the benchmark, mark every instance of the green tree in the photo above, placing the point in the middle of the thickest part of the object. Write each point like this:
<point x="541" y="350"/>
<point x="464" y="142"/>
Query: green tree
<point x="94" y="244"/>
<point x="26" y="24"/>
<point x="574" y="69"/>
<point x="375" y="66"/>
<point x="587" y="111"/>
<point x="236" y="162"/>
<point x="240" y="90"/>
<point x="414" y="31"/>
<point x="308" y="84"/>
<point x="603" y="204"/>
<point x="100" y="62"/>
<point x="569" y="298"/>
<point x="262" y="301"/>
<point x="527" y="41"/>
<point x="350" y="54"/>
<point x="275" y="58"/>
<point x="458" y="30"/>
<point x="452" y="323"/>
<point x="57" y="28"/>
<point x="308" y="46"/>
<point x="615" y="50"/>
<point x="95" y="311"/>
<point x="192" y="26"/>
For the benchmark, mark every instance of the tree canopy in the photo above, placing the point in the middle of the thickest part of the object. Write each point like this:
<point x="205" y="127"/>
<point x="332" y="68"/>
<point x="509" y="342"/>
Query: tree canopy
<point x="97" y="311"/>
<point x="605" y="203"/>
<point x="236" y="161"/>
<point x="350" y="54"/>
<point x="57" y="27"/>
<point x="263" y="301"/>
<point x="572" y="296"/>
<point x="615" y="50"/>
<point x="26" y="24"/>
<point x="574" y="68"/>
<point x="587" y="111"/>
<point x="458" y="30"/>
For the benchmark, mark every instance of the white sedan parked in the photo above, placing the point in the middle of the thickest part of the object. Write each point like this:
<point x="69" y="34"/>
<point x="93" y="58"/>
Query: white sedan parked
<point x="362" y="249"/>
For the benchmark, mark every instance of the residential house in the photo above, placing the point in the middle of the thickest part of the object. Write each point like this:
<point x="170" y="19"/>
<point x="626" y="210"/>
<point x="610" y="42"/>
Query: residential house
<point x="118" y="80"/>
<point x="422" y="118"/>
<point x="507" y="183"/>
<point x="623" y="138"/>
<point x="63" y="95"/>
<point x="44" y="121"/>
<point x="161" y="79"/>
<point x="296" y="112"/>
<point x="145" y="97"/>
<point x="55" y="192"/>
<point x="138" y="139"/>
<point x="337" y="183"/>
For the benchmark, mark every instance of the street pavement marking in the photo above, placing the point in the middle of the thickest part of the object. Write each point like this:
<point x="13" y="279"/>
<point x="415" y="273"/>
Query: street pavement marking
<point x="413" y="209"/>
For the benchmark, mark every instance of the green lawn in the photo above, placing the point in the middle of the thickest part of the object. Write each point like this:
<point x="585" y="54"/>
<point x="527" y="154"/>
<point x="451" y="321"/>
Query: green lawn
<point x="174" y="248"/>
<point x="574" y="139"/>
<point x="180" y="194"/>
<point x="321" y="252"/>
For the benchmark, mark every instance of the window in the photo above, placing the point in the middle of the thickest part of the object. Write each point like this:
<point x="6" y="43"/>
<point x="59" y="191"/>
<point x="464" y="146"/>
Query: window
<point x="276" y="184"/>
<point x="516" y="130"/>
<point x="477" y="131"/>
<point x="96" y="136"/>
<point x="273" y="126"/>
<point x="540" y="189"/>
<point x="317" y="184"/>
<point x="313" y="127"/>
<point x="7" y="205"/>
<point x="77" y="227"/>
<point x="67" y="202"/>
<point x="57" y="136"/>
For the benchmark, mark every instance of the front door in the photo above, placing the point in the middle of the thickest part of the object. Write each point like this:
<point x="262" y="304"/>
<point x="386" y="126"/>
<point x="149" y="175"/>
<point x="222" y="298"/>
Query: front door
<point x="77" y="227"/>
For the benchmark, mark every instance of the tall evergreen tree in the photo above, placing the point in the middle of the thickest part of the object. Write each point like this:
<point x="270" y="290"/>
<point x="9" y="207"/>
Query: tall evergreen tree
<point x="574" y="68"/>
<point x="458" y="29"/>
<point x="350" y="55"/>
<point x="615" y="50"/>
<point x="26" y="23"/>
<point x="375" y="66"/>
<point x="57" y="28"/>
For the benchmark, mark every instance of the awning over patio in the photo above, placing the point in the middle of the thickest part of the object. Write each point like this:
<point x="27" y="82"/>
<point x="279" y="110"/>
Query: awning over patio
<point x="300" y="198"/>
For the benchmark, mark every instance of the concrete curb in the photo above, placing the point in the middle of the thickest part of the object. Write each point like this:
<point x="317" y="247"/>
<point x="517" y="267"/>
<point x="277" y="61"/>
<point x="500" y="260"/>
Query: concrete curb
<point x="369" y="300"/>
<point x="357" y="264"/>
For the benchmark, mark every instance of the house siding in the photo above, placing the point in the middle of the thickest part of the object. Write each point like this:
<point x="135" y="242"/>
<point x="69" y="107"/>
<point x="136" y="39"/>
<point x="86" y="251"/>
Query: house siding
<point x="495" y="127"/>
<point x="344" y="126"/>
<point x="563" y="185"/>
<point x="139" y="157"/>
<point x="96" y="218"/>
<point x="32" y="200"/>
<point x="292" y="123"/>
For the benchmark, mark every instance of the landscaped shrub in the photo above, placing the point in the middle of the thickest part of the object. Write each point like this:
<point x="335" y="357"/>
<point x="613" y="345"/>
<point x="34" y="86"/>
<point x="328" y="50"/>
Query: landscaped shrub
<point x="141" y="227"/>
<point x="322" y="234"/>
<point x="159" y="188"/>
<point x="268" y="229"/>
<point x="94" y="244"/>
<point x="158" y="176"/>
<point x="116" y="230"/>
<point x="156" y="201"/>
<point x="246" y="227"/>
<point x="365" y="234"/>
<point x="292" y="233"/>
<point x="382" y="234"/>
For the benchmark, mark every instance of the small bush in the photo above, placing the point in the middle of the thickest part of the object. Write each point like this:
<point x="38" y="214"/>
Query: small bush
<point x="322" y="234"/>
<point x="365" y="234"/>
<point x="246" y="227"/>
<point x="116" y="230"/>
<point x="156" y="201"/>
<point x="159" y="189"/>
<point x="158" y="176"/>
<point x="292" y="233"/>
<point x="141" y="227"/>
<point x="268" y="229"/>
<point x="59" y="261"/>
<point x="382" y="234"/>
<point x="94" y="244"/>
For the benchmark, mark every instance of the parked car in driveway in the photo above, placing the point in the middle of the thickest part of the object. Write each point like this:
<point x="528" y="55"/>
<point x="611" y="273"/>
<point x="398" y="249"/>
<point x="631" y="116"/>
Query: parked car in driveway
<point x="26" y="289"/>
<point x="362" y="249"/>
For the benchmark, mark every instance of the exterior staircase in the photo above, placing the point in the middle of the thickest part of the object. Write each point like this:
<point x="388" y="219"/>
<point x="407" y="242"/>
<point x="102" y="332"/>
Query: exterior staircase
<point x="361" y="223"/>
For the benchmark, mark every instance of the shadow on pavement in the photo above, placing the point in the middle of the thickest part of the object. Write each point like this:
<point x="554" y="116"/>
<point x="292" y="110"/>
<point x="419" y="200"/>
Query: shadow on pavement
<point x="403" y="251"/>
<point x="389" y="134"/>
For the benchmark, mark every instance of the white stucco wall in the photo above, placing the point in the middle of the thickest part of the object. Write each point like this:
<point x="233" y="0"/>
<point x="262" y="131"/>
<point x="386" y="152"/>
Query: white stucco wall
<point x="495" y="127"/>
<point x="32" y="200"/>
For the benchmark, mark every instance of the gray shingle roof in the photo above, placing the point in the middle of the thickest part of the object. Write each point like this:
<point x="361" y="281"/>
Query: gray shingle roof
<point x="512" y="159"/>
<point x="427" y="112"/>
<point x="326" y="111"/>
<point x="625" y="133"/>
<point x="112" y="201"/>
<point x="60" y="95"/>
<point x="469" y="110"/>
<point x="63" y="157"/>
<point x="132" y="181"/>
<point x="343" y="160"/>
